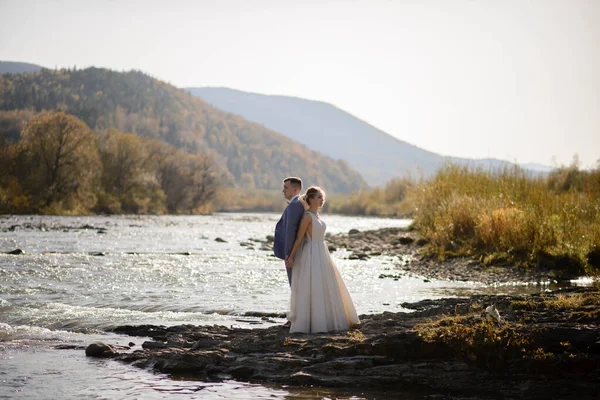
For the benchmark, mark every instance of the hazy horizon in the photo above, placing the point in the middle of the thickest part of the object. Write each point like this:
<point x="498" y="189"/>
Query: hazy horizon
<point x="499" y="79"/>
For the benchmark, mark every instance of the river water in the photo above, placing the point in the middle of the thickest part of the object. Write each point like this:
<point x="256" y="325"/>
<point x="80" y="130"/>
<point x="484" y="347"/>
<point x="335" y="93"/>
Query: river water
<point x="81" y="276"/>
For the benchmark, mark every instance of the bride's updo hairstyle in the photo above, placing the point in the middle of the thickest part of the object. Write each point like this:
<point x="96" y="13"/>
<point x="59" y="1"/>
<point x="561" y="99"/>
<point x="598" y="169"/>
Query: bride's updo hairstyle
<point x="312" y="192"/>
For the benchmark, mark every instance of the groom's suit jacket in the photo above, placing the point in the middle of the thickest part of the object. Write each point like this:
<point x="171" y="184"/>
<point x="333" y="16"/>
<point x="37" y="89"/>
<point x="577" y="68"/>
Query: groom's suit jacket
<point x="287" y="227"/>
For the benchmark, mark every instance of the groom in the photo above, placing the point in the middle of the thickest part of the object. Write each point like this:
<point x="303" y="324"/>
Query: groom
<point x="287" y="227"/>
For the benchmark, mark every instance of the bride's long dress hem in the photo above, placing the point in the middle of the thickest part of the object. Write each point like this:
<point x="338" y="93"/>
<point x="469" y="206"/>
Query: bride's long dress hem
<point x="320" y="301"/>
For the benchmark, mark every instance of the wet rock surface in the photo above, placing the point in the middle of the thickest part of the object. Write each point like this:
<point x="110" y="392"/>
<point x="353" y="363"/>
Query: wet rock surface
<point x="551" y="351"/>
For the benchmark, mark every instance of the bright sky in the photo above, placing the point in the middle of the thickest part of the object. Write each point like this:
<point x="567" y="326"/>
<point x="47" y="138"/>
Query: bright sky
<point x="510" y="79"/>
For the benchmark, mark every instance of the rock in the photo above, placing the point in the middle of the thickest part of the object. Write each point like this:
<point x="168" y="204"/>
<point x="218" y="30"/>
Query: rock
<point x="152" y="331"/>
<point x="100" y="349"/>
<point x="493" y="313"/>
<point x="15" y="252"/>
<point x="593" y="257"/>
<point x="153" y="345"/>
<point x="358" y="256"/>
<point x="421" y="242"/>
<point x="69" y="347"/>
<point x="205" y="343"/>
<point x="242" y="373"/>
<point x="263" y="314"/>
<point x="405" y="240"/>
<point x="353" y="232"/>
<point x="220" y="240"/>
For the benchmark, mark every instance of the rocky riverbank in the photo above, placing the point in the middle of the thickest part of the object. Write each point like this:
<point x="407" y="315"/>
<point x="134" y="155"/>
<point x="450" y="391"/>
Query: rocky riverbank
<point x="541" y="347"/>
<point x="407" y="245"/>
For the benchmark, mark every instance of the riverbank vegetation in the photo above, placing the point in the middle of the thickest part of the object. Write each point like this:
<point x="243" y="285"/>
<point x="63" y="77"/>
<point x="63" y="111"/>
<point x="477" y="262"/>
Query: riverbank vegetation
<point x="510" y="217"/>
<point x="59" y="166"/>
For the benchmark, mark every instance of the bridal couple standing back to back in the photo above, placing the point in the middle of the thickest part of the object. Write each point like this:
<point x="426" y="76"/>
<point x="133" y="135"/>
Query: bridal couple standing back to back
<point x="319" y="300"/>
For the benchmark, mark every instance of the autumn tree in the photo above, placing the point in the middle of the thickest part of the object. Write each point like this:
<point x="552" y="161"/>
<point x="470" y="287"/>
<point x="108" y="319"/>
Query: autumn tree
<point x="13" y="199"/>
<point x="190" y="181"/>
<point x="63" y="163"/>
<point x="129" y="181"/>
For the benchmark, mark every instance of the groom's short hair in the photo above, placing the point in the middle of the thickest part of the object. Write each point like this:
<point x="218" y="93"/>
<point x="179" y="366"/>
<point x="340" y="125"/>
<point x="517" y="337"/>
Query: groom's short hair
<point x="294" y="181"/>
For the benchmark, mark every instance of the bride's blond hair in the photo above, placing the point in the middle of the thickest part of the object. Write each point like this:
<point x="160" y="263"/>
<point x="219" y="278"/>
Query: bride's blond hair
<point x="311" y="192"/>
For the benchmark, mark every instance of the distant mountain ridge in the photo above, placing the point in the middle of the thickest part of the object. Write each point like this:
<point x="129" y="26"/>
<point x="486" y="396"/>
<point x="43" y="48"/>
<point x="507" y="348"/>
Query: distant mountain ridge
<point x="377" y="155"/>
<point x="253" y="156"/>
<point x="14" y="67"/>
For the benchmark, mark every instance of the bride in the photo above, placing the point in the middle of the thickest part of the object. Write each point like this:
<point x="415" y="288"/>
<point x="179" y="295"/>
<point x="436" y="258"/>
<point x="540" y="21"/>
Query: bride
<point x="320" y="301"/>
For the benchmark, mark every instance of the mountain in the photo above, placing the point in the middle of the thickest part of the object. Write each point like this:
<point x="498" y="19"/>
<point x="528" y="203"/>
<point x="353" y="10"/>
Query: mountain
<point x="251" y="154"/>
<point x="12" y="67"/>
<point x="377" y="155"/>
<point x="543" y="169"/>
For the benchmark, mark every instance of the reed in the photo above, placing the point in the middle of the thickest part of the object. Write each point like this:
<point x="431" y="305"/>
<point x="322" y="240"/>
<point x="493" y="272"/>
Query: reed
<point x="510" y="216"/>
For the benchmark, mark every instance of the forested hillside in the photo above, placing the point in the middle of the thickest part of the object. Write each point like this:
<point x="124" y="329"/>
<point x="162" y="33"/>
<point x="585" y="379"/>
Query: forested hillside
<point x="251" y="155"/>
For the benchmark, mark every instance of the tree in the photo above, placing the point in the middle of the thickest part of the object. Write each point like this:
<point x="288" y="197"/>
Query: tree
<point x="63" y="161"/>
<point x="189" y="181"/>
<point x="204" y="180"/>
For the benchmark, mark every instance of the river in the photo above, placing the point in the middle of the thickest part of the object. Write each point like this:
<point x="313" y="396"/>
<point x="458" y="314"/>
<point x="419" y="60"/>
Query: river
<point x="80" y="276"/>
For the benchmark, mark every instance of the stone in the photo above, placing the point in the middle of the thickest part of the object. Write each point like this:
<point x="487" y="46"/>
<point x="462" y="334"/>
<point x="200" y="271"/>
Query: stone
<point x="205" y="343"/>
<point x="153" y="345"/>
<point x="405" y="240"/>
<point x="100" y="349"/>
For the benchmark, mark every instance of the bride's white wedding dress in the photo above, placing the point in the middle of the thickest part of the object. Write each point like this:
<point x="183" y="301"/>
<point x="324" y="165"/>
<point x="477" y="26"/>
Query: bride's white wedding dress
<point x="320" y="301"/>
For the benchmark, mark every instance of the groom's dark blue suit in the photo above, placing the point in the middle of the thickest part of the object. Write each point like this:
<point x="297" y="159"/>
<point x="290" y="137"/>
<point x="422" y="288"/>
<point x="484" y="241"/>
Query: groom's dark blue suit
<point x="286" y="229"/>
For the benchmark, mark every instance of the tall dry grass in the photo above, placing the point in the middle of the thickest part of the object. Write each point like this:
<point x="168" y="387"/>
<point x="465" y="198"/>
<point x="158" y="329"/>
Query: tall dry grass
<point x="510" y="216"/>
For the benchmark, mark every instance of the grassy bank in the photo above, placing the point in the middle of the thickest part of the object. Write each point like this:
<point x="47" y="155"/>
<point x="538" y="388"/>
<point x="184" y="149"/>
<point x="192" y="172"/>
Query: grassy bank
<point x="541" y="342"/>
<point x="510" y="217"/>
